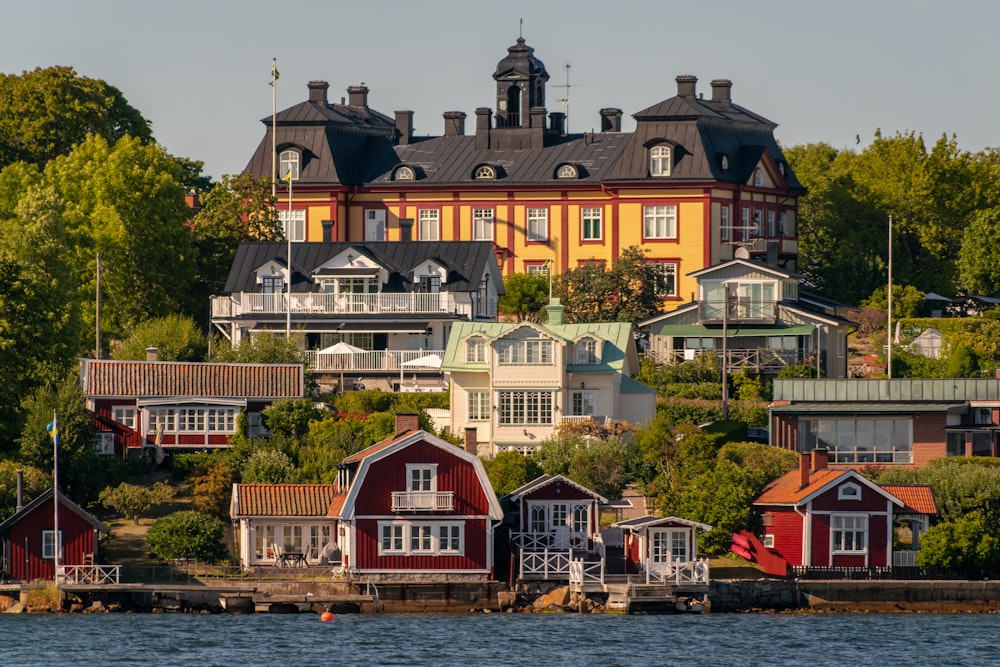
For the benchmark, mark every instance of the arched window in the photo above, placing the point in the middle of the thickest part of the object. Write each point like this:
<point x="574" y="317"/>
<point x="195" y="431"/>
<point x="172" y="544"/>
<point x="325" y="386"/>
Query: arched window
<point x="724" y="163"/>
<point x="566" y="171"/>
<point x="485" y="173"/>
<point x="288" y="161"/>
<point x="659" y="161"/>
<point x="404" y="174"/>
<point x="758" y="177"/>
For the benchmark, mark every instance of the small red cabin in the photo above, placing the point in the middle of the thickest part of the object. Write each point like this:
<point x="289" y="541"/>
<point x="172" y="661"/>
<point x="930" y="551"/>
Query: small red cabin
<point x="28" y="548"/>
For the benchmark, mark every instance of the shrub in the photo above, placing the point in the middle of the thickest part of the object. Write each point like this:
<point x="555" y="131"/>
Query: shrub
<point x="133" y="500"/>
<point x="188" y="534"/>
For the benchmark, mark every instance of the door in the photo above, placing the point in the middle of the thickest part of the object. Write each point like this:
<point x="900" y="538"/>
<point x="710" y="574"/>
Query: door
<point x="375" y="225"/>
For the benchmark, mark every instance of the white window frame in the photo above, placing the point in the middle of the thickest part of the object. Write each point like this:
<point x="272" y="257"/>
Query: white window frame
<point x="297" y="234"/>
<point x="475" y="350"/>
<point x="421" y="477"/>
<point x="771" y="223"/>
<point x="849" y="491"/>
<point x="745" y="222"/>
<point x="47" y="550"/>
<point x="591" y="224"/>
<point x="660" y="160"/>
<point x="485" y="173"/>
<point x="421" y="538"/>
<point x="758" y="177"/>
<point x="847" y="531"/>
<point x="531" y="407"/>
<point x="530" y="352"/>
<point x="724" y="222"/>
<point x="404" y="173"/>
<point x="586" y="351"/>
<point x="124" y="415"/>
<point x="479" y="405"/>
<point x="288" y="160"/>
<point x="659" y="221"/>
<point x="104" y="443"/>
<point x="537" y="269"/>
<point x="429" y="224"/>
<point x="566" y="171"/>
<point x="537" y="227"/>
<point x="392" y="539"/>
<point x="583" y="403"/>
<point x="665" y="284"/>
<point x="482" y="224"/>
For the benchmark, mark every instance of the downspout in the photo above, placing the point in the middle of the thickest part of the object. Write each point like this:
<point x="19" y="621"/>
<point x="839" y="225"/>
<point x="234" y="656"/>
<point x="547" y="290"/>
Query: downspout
<point x="806" y="537"/>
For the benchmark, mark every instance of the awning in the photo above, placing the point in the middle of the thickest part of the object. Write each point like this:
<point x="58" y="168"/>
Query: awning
<point x="702" y="331"/>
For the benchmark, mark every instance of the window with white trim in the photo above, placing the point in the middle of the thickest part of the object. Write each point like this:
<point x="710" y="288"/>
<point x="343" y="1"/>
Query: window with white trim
<point x="486" y="172"/>
<point x="659" y="161"/>
<point x="538" y="224"/>
<point x="535" y="352"/>
<point x="518" y="408"/>
<point x="450" y="538"/>
<point x="590" y="224"/>
<point x="757" y="224"/>
<point x="194" y="419"/>
<point x="745" y="222"/>
<point x="582" y="403"/>
<point x="771" y="224"/>
<point x="288" y="161"/>
<point x="479" y="406"/>
<point x="724" y="222"/>
<point x="586" y="351"/>
<point x="482" y="224"/>
<point x="849" y="491"/>
<point x="850" y="533"/>
<point x="539" y="268"/>
<point x="404" y="174"/>
<point x="475" y="350"/>
<point x="659" y="222"/>
<point x="758" y="177"/>
<point x="391" y="538"/>
<point x="421" y="477"/>
<point x="124" y="415"/>
<point x="425" y="538"/>
<point x="581" y="518"/>
<point x="48" y="550"/>
<point x="566" y="171"/>
<point x="428" y="224"/>
<point x="539" y="521"/>
<point x="293" y="224"/>
<point x="664" y="278"/>
<point x="421" y="539"/>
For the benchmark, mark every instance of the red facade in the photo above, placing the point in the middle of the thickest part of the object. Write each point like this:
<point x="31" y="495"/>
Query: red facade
<point x="555" y="492"/>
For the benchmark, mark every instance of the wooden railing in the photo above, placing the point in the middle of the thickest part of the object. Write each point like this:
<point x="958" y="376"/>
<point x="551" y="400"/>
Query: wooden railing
<point x="740" y="310"/>
<point x="582" y="573"/>
<point x="432" y="501"/>
<point x="678" y="572"/>
<point x="320" y="303"/>
<point x="541" y="541"/>
<point x="545" y="564"/>
<point x="756" y="359"/>
<point x="97" y="575"/>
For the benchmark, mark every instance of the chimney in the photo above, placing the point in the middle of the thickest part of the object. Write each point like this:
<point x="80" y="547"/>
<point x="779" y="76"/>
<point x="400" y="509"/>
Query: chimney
<point x="317" y="92"/>
<point x="20" y="490"/>
<point x="771" y="254"/>
<point x="536" y="116"/>
<point x="152" y="354"/>
<point x="820" y="459"/>
<point x="722" y="91"/>
<point x="803" y="470"/>
<point x="454" y="123"/>
<point x="611" y="120"/>
<point x="554" y="310"/>
<point x="472" y="440"/>
<point x="327" y="231"/>
<point x="404" y="127"/>
<point x="483" y="128"/>
<point x="685" y="85"/>
<point x="557" y="122"/>
<point x="407" y="421"/>
<point x="357" y="96"/>
<point x="406" y="229"/>
<point x="192" y="201"/>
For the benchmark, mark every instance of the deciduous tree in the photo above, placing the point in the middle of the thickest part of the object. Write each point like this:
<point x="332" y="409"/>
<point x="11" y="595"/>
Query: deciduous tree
<point x="134" y="500"/>
<point x="187" y="534"/>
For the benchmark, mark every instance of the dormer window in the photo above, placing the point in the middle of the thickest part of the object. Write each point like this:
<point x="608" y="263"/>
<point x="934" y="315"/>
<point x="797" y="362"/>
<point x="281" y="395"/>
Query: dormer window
<point x="288" y="161"/>
<point x="485" y="173"/>
<point x="849" y="491"/>
<point x="659" y="160"/>
<point x="566" y="171"/>
<point x="586" y="351"/>
<point x="781" y="168"/>
<point x="475" y="350"/>
<point x="758" y="177"/>
<point x="724" y="163"/>
<point x="404" y="173"/>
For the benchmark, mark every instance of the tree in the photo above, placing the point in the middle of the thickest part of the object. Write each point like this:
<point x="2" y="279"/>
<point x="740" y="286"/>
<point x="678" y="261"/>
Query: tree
<point x="268" y="466"/>
<point x="978" y="259"/>
<point x="263" y="348"/>
<point x="175" y="337"/>
<point x="510" y="470"/>
<point x="625" y="293"/>
<point x="291" y="417"/>
<point x="722" y="498"/>
<point x="212" y="487"/>
<point x="134" y="500"/>
<point x="45" y="112"/>
<point x="967" y="541"/>
<point x="187" y="534"/>
<point x="526" y="294"/>
<point x="35" y="483"/>
<point x="601" y="465"/>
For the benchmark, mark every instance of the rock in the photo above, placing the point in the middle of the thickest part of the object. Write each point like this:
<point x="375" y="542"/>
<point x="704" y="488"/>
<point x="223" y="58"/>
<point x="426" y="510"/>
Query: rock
<point x="557" y="597"/>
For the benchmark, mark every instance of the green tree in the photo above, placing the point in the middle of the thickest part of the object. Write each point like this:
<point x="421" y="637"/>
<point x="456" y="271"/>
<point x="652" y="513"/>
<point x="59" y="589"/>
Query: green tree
<point x="45" y="112"/>
<point x="291" y="417"/>
<point x="176" y="338"/>
<point x="134" y="500"/>
<point x="721" y="497"/>
<point x="268" y="466"/>
<point x="526" y="293"/>
<point x="510" y="470"/>
<point x="625" y="293"/>
<point x="968" y="541"/>
<point x="36" y="482"/>
<point x="601" y="466"/>
<point x="979" y="256"/>
<point x="187" y="534"/>
<point x="212" y="487"/>
<point x="262" y="349"/>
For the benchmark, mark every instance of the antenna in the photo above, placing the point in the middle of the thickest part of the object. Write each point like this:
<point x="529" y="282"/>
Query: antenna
<point x="565" y="99"/>
<point x="520" y="28"/>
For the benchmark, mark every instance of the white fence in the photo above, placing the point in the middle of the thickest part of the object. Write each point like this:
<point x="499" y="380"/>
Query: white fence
<point x="322" y="303"/>
<point x="545" y="564"/>
<point x="549" y="540"/>
<point x="678" y="573"/>
<point x="373" y="361"/>
<point x="583" y="573"/>
<point x="88" y="574"/>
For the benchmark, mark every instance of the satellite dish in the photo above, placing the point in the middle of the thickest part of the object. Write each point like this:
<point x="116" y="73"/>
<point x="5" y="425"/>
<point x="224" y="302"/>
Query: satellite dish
<point x="741" y="253"/>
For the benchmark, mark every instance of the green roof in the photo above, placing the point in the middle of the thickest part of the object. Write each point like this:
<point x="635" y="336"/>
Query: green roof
<point x="734" y="331"/>
<point x="630" y="386"/>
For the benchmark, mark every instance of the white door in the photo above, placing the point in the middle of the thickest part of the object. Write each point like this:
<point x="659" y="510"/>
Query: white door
<point x="374" y="225"/>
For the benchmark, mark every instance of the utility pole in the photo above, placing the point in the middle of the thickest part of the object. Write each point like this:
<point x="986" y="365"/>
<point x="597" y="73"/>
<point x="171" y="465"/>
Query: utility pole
<point x="97" y="317"/>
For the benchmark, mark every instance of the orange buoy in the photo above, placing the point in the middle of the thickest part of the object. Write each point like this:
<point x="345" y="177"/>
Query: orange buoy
<point x="326" y="616"/>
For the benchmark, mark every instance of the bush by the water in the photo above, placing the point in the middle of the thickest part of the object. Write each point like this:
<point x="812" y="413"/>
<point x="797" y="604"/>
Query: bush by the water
<point x="189" y="534"/>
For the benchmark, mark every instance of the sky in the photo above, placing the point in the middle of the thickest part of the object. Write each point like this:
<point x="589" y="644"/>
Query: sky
<point x="832" y="72"/>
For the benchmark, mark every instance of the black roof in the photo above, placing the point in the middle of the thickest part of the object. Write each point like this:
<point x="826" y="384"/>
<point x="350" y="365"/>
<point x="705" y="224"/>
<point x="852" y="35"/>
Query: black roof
<point x="466" y="261"/>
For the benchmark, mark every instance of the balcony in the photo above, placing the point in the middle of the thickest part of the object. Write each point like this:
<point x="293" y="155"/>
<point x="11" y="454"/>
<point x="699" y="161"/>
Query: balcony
<point x="374" y="361"/>
<point x="423" y="501"/>
<point x="756" y="360"/>
<point x="741" y="311"/>
<point x="320" y="303"/>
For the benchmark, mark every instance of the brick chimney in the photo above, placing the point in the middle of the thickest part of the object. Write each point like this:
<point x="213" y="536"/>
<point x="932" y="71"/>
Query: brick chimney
<point x="472" y="440"/>
<point x="820" y="459"/>
<point x="454" y="123"/>
<point x="152" y="354"/>
<point x="803" y="470"/>
<point x="611" y="120"/>
<point x="722" y="91"/>
<point x="317" y="92"/>
<point x="404" y="127"/>
<point x="557" y="122"/>
<point x="357" y="96"/>
<point x="407" y="421"/>
<point x="483" y="128"/>
<point x="686" y="85"/>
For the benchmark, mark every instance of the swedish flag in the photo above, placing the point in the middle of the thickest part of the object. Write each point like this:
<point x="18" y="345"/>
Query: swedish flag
<point x="274" y="72"/>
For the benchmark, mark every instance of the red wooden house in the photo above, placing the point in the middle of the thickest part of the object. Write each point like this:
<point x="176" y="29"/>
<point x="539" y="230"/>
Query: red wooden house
<point x="180" y="405"/>
<point x="817" y="516"/>
<point x="27" y="538"/>
<point x="416" y="503"/>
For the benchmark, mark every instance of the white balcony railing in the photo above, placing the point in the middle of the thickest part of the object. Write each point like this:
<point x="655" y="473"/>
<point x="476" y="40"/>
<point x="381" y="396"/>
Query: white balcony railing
<point x="423" y="501"/>
<point x="374" y="361"/>
<point x="545" y="564"/>
<point x="88" y="574"/>
<point x="583" y="573"/>
<point x="322" y="303"/>
<point x="678" y="572"/>
<point x="558" y="540"/>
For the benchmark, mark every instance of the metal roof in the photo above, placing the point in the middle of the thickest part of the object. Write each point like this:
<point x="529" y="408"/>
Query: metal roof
<point x="875" y="407"/>
<point x="897" y="389"/>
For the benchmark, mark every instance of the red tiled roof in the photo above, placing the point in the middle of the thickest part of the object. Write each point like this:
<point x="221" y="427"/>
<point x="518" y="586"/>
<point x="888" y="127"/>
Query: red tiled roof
<point x="377" y="447"/>
<point x="917" y="498"/>
<point x="319" y="500"/>
<point x="786" y="489"/>
<point x="144" y="379"/>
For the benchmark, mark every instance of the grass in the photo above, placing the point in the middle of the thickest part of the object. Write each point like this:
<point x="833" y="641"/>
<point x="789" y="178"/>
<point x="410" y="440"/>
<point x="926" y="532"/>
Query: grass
<point x="732" y="567"/>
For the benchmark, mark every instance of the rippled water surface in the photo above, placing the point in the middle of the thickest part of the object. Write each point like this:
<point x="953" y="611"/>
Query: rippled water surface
<point x="485" y="640"/>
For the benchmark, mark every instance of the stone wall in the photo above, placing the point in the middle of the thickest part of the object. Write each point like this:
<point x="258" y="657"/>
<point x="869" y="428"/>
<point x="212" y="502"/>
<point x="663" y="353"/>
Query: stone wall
<point x="753" y="594"/>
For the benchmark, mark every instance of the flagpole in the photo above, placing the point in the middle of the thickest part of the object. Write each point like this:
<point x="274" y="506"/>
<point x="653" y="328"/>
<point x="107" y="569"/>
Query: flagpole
<point x="55" y="496"/>
<point x="888" y="339"/>
<point x="288" y="234"/>
<point x="274" y="129"/>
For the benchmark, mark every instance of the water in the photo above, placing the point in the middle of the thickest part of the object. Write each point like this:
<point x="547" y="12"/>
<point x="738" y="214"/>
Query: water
<point x="500" y="639"/>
